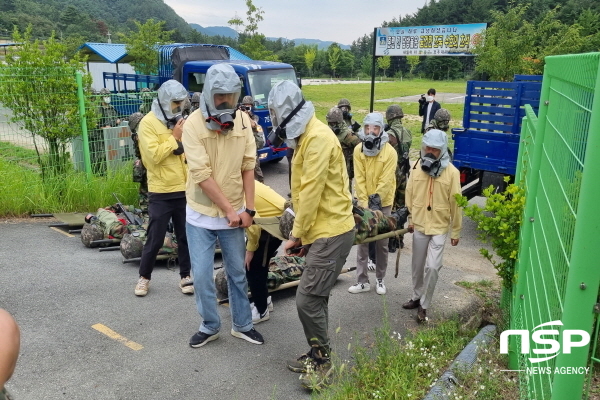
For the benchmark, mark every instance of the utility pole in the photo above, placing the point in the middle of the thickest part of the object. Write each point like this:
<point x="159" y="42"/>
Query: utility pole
<point x="108" y="35"/>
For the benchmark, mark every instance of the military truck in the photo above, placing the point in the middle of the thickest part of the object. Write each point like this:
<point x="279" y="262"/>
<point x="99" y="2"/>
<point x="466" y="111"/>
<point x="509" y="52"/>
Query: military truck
<point x="188" y="63"/>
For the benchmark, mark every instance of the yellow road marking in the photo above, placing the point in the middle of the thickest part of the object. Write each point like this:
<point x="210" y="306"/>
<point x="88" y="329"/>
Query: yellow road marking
<point x="61" y="231"/>
<point x="114" y="335"/>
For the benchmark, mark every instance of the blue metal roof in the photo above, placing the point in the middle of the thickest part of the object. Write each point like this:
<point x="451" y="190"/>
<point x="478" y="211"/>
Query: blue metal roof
<point x="237" y="55"/>
<point x="109" y="52"/>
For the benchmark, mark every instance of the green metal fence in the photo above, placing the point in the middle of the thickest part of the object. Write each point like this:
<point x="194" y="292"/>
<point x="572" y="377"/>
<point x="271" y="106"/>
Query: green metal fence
<point x="62" y="148"/>
<point x="557" y="276"/>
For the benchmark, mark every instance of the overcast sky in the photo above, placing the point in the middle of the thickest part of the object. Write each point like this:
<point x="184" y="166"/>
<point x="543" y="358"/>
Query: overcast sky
<point x="339" y="21"/>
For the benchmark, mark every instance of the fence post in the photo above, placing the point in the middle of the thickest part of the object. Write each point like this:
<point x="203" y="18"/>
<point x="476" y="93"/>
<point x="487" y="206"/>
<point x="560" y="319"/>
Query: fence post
<point x="584" y="276"/>
<point x="528" y="220"/>
<point x="84" y="132"/>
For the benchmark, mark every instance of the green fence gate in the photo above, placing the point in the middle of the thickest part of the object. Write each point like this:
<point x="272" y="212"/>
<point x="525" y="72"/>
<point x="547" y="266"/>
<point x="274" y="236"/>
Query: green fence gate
<point x="557" y="275"/>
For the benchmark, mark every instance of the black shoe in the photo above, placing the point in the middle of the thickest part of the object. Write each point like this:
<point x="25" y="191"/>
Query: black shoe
<point x="200" y="339"/>
<point x="412" y="304"/>
<point x="422" y="314"/>
<point x="252" y="336"/>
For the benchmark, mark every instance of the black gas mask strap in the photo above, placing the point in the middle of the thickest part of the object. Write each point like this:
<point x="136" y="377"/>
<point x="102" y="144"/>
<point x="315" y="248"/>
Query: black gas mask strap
<point x="161" y="109"/>
<point x="291" y="115"/>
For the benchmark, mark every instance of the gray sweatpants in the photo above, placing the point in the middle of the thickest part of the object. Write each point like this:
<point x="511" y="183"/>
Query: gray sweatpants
<point x="426" y="264"/>
<point x="324" y="262"/>
<point x="381" y="256"/>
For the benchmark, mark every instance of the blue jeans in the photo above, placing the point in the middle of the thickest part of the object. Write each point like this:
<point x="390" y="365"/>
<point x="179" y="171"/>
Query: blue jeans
<point x="201" y="244"/>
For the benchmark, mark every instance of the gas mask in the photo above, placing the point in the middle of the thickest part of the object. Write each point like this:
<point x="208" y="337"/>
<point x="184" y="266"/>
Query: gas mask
<point x="224" y="120"/>
<point x="430" y="163"/>
<point x="443" y="125"/>
<point x="106" y="100"/>
<point x="171" y="122"/>
<point x="372" y="144"/>
<point x="278" y="134"/>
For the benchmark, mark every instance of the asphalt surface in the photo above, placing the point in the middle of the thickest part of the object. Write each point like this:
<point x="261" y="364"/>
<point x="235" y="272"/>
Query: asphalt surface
<point x="59" y="292"/>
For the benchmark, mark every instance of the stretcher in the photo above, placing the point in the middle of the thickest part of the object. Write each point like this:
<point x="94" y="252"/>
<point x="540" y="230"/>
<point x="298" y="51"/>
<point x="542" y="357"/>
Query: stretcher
<point x="271" y="225"/>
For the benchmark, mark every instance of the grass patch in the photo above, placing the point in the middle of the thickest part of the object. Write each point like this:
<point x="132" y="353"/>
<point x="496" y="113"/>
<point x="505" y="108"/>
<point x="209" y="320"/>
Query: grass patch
<point x="397" y="368"/>
<point x="326" y="96"/>
<point x="23" y="192"/>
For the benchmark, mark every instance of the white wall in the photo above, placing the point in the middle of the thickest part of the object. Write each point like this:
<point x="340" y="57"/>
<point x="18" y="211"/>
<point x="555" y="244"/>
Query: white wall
<point x="98" y="68"/>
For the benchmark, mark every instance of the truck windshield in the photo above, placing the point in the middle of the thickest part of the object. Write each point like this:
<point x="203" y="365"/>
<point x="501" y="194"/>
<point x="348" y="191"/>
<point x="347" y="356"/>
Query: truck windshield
<point x="262" y="81"/>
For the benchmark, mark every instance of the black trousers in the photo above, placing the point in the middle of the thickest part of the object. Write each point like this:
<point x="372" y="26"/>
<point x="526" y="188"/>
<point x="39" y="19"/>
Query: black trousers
<point x="259" y="269"/>
<point x="161" y="211"/>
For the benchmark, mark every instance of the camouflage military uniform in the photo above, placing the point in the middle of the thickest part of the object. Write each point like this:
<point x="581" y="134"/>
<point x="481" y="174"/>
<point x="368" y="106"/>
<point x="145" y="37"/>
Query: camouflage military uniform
<point x="147" y="97"/>
<point x="401" y="140"/>
<point x="441" y="120"/>
<point x="344" y="106"/>
<point x="348" y="140"/>
<point x="139" y="171"/>
<point x="259" y="137"/>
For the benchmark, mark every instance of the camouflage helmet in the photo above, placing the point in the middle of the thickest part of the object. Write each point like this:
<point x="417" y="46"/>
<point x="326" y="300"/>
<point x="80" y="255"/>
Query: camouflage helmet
<point x="286" y="222"/>
<point x="344" y="103"/>
<point x="132" y="245"/>
<point x="186" y="106"/>
<point x="442" y="116"/>
<point x="134" y="121"/>
<point x="221" y="282"/>
<point x="91" y="232"/>
<point x="247" y="100"/>
<point x="196" y="97"/>
<point x="146" y="93"/>
<point x="335" y="115"/>
<point x="394" y="111"/>
<point x="104" y="91"/>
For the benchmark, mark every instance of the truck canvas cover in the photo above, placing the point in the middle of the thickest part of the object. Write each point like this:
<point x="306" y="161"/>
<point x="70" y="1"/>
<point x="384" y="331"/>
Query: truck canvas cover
<point x="196" y="53"/>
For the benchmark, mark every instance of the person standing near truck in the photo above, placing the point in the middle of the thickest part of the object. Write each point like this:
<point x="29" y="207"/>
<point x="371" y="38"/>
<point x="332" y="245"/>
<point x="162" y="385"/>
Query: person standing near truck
<point x="323" y="226"/>
<point x="259" y="137"/>
<point x="159" y="135"/>
<point x="220" y="153"/>
<point x="430" y="198"/>
<point x="427" y="108"/>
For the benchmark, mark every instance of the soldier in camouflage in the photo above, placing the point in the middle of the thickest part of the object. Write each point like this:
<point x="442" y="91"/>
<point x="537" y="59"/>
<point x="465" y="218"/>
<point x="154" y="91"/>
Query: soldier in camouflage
<point x="139" y="171"/>
<point x="344" y="105"/>
<point x="147" y="97"/>
<point x="441" y="121"/>
<point x="401" y="140"/>
<point x="108" y="117"/>
<point x="196" y="101"/>
<point x="259" y="136"/>
<point x="186" y="108"/>
<point x="347" y="138"/>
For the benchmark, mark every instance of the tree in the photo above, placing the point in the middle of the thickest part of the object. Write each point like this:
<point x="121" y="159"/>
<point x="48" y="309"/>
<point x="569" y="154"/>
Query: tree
<point x="505" y="45"/>
<point x="384" y="63"/>
<point x="413" y="62"/>
<point x="142" y="45"/>
<point x="38" y="85"/>
<point x="253" y="42"/>
<point x="309" y="58"/>
<point x="333" y="56"/>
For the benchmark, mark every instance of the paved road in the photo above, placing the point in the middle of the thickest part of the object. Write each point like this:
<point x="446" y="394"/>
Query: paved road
<point x="58" y="290"/>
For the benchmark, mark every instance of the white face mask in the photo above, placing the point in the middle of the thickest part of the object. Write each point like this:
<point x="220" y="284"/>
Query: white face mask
<point x="106" y="100"/>
<point x="429" y="98"/>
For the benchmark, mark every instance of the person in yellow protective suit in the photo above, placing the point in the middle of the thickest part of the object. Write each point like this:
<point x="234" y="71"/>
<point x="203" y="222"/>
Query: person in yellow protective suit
<point x="323" y="224"/>
<point x="375" y="173"/>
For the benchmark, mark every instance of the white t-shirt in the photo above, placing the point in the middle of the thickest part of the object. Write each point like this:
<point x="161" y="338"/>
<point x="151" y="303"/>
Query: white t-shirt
<point x="427" y="115"/>
<point x="193" y="217"/>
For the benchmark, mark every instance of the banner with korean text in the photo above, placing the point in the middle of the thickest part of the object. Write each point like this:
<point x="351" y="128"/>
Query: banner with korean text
<point x="437" y="40"/>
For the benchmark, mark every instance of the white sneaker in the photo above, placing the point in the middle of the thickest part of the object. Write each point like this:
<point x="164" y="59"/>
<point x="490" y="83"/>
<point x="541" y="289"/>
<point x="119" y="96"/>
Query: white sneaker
<point x="141" y="289"/>
<point x="186" y="285"/>
<point x="380" y="287"/>
<point x="359" y="287"/>
<point x="371" y="265"/>
<point x="269" y="304"/>
<point x="257" y="317"/>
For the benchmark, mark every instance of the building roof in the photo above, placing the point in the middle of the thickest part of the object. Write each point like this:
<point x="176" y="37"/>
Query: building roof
<point x="105" y="52"/>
